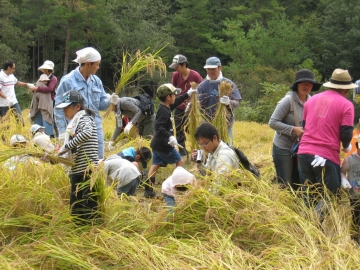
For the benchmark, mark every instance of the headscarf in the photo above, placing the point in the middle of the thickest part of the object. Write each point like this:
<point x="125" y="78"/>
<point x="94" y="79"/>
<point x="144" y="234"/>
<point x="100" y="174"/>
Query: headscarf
<point x="87" y="54"/>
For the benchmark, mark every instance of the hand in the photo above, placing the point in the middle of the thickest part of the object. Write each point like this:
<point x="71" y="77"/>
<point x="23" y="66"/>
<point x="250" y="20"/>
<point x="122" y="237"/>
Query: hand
<point x="298" y="131"/>
<point x="188" y="107"/>
<point x="194" y="155"/>
<point x="30" y="85"/>
<point x="114" y="99"/>
<point x="45" y="158"/>
<point x="108" y="97"/>
<point x="10" y="103"/>
<point x="345" y="183"/>
<point x="318" y="161"/>
<point x="225" y="100"/>
<point x="191" y="91"/>
<point x="127" y="128"/>
<point x="111" y="146"/>
<point x="63" y="150"/>
<point x="172" y="141"/>
<point x="347" y="149"/>
<point x="33" y="89"/>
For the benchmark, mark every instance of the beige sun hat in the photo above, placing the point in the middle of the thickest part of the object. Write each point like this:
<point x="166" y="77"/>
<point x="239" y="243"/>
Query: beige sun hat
<point x="340" y="79"/>
<point x="47" y="65"/>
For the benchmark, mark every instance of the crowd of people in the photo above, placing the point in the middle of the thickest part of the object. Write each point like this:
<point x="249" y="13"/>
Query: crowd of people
<point x="306" y="146"/>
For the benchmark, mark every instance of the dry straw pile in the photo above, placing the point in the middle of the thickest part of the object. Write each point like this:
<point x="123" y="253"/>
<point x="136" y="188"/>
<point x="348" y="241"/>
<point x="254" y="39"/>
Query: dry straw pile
<point x="254" y="226"/>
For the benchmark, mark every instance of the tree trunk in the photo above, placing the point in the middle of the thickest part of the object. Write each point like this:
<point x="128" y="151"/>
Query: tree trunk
<point x="67" y="39"/>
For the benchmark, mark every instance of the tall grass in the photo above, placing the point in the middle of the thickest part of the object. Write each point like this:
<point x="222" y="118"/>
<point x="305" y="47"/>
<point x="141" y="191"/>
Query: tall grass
<point x="253" y="226"/>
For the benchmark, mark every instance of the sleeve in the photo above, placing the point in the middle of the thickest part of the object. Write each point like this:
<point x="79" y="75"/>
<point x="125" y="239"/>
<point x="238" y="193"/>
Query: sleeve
<point x="104" y="102"/>
<point x="60" y="119"/>
<point x="346" y="128"/>
<point x="179" y="100"/>
<point x="128" y="105"/>
<point x="235" y="96"/>
<point x="86" y="130"/>
<point x="282" y="109"/>
<point x="51" y="86"/>
<point x="173" y="79"/>
<point x="346" y="134"/>
<point x="345" y="166"/>
<point x="160" y="125"/>
<point x="117" y="132"/>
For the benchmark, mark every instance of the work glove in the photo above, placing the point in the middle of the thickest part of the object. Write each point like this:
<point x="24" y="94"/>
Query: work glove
<point x="62" y="137"/>
<point x="345" y="184"/>
<point x="188" y="107"/>
<point x="318" y="161"/>
<point x="30" y="85"/>
<point x="347" y="149"/>
<point x="127" y="128"/>
<point x="225" y="100"/>
<point x="108" y="96"/>
<point x="172" y="141"/>
<point x="10" y="103"/>
<point x="111" y="146"/>
<point x="191" y="91"/>
<point x="114" y="99"/>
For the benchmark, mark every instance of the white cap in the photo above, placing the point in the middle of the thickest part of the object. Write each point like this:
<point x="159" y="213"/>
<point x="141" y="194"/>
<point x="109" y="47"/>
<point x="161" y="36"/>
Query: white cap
<point x="47" y="65"/>
<point x="34" y="128"/>
<point x="17" y="138"/>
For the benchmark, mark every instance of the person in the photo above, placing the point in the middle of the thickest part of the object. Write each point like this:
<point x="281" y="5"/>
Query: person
<point x="84" y="80"/>
<point x="82" y="142"/>
<point x="163" y="143"/>
<point x="327" y="120"/>
<point x="221" y="158"/>
<point x="130" y="107"/>
<point x="42" y="81"/>
<point x="7" y="90"/>
<point x="175" y="185"/>
<point x="350" y="181"/>
<point x="181" y="78"/>
<point x="208" y="93"/>
<point x="142" y="154"/>
<point x="44" y="95"/>
<point x="124" y="173"/>
<point x="286" y="121"/>
<point x="41" y="139"/>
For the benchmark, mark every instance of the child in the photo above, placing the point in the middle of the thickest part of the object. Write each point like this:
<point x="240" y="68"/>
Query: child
<point x="351" y="168"/>
<point x="163" y="143"/>
<point x="41" y="139"/>
<point x="82" y="142"/>
<point x="175" y="185"/>
<point x="143" y="155"/>
<point x="124" y="173"/>
<point x="43" y="80"/>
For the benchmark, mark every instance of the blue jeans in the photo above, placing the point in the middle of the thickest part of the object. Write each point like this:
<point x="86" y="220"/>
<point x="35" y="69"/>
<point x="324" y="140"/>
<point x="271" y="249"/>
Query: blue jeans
<point x="130" y="188"/>
<point x="286" y="167"/>
<point x="38" y="119"/>
<point x="329" y="175"/>
<point x="170" y="202"/>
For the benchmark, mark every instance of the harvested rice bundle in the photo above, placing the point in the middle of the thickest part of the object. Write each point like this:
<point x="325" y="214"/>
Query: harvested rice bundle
<point x="222" y="113"/>
<point x="193" y="119"/>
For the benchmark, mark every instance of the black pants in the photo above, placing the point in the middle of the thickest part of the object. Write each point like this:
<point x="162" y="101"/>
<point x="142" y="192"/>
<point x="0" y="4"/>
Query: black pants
<point x="83" y="201"/>
<point x="180" y="118"/>
<point x="355" y="211"/>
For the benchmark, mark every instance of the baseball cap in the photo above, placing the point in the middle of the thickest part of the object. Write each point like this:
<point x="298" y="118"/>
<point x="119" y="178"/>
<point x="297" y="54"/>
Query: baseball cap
<point x="70" y="97"/>
<point x="17" y="138"/>
<point x="34" y="128"/>
<point x="145" y="154"/>
<point x="178" y="59"/>
<point x="212" y="62"/>
<point x="167" y="89"/>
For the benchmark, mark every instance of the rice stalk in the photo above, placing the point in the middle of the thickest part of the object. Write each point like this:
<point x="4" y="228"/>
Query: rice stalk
<point x="193" y="119"/>
<point x="222" y="113"/>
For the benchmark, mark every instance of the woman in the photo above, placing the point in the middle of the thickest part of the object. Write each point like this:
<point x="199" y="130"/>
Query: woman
<point x="288" y="131"/>
<point x="42" y="104"/>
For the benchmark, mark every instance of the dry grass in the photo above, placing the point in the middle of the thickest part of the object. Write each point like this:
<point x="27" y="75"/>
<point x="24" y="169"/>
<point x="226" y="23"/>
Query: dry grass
<point x="254" y="226"/>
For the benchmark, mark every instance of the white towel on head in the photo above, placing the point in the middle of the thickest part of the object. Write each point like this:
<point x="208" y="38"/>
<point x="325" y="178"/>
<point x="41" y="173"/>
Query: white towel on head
<point x="87" y="54"/>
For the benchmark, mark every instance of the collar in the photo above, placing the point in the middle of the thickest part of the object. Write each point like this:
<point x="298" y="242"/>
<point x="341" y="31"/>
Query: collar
<point x="80" y="77"/>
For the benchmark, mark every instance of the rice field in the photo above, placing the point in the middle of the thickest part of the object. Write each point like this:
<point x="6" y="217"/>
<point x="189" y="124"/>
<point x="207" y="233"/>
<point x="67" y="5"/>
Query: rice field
<point x="254" y="226"/>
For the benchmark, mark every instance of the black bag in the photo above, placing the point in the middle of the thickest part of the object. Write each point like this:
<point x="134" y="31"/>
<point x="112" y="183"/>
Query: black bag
<point x="295" y="148"/>
<point x="147" y="106"/>
<point x="245" y="163"/>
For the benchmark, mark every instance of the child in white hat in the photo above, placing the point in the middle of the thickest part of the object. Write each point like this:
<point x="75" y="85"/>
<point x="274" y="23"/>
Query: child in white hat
<point x="41" y="139"/>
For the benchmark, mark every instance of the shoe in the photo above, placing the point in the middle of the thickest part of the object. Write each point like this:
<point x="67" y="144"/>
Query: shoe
<point x="149" y="194"/>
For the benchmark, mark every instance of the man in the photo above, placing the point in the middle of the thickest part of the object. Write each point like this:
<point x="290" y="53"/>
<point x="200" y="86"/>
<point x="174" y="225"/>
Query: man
<point x="221" y="158"/>
<point x="7" y="89"/>
<point x="181" y="78"/>
<point x="208" y="93"/>
<point x="84" y="80"/>
<point x="328" y="121"/>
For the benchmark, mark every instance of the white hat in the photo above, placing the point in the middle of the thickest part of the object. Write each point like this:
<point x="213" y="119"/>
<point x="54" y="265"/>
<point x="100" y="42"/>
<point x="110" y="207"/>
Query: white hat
<point x="340" y="79"/>
<point x="47" y="65"/>
<point x="34" y="128"/>
<point x="17" y="138"/>
<point x="87" y="54"/>
<point x="180" y="176"/>
<point x="43" y="77"/>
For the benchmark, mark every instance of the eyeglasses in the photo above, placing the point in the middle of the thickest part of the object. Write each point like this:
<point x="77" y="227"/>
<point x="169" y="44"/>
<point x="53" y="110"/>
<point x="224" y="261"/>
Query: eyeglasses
<point x="203" y="144"/>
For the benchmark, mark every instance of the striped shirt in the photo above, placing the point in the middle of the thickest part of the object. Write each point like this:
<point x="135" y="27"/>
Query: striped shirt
<point x="84" y="145"/>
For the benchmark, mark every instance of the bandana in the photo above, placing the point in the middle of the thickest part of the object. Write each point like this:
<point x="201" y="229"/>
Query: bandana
<point x="87" y="54"/>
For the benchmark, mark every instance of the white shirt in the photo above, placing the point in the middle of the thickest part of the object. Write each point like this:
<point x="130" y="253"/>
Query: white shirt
<point x="7" y="83"/>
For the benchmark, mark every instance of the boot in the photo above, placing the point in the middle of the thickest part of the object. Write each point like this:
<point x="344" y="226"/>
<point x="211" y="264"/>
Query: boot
<point x="149" y="188"/>
<point x="182" y="151"/>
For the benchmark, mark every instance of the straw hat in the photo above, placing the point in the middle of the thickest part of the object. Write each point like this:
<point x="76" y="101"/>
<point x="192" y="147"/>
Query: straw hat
<point x="340" y="79"/>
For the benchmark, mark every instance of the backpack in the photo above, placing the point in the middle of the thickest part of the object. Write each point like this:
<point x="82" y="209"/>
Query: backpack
<point x="244" y="162"/>
<point x="146" y="104"/>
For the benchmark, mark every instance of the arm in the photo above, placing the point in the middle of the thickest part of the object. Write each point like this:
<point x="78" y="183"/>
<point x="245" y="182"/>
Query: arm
<point x="104" y="102"/>
<point x="60" y="119"/>
<point x="235" y="97"/>
<point x="51" y="86"/>
<point x="346" y="133"/>
<point x="21" y="84"/>
<point x="83" y="135"/>
<point x="128" y="104"/>
<point x="281" y="111"/>
<point x="117" y="132"/>
<point x="179" y="100"/>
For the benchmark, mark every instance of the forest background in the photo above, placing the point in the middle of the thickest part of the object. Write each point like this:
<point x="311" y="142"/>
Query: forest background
<point x="261" y="43"/>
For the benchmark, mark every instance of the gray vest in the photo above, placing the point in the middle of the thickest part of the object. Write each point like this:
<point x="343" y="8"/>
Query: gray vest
<point x="354" y="175"/>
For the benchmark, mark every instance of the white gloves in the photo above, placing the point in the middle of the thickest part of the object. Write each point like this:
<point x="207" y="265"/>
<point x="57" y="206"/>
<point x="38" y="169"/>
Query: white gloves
<point x="225" y="100"/>
<point x="347" y="149"/>
<point x="191" y="91"/>
<point x="318" y="161"/>
<point x="30" y="85"/>
<point x="127" y="128"/>
<point x="345" y="184"/>
<point x="188" y="107"/>
<point x="62" y="137"/>
<point x="108" y="97"/>
<point x="111" y="146"/>
<point x="10" y="103"/>
<point x="172" y="141"/>
<point x="114" y="99"/>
